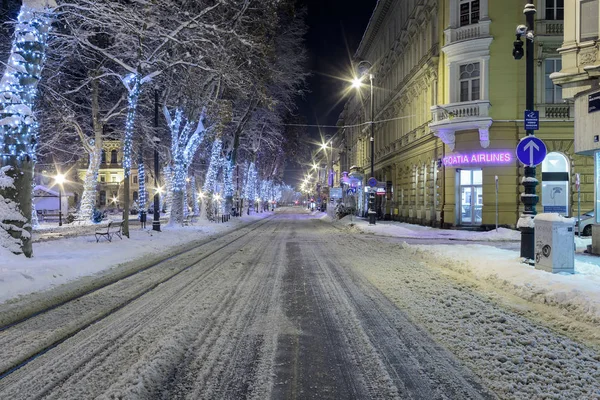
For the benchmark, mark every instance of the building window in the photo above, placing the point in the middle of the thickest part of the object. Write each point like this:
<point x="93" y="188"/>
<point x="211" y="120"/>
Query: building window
<point x="469" y="80"/>
<point x="135" y="179"/>
<point x="135" y="196"/>
<point x="113" y="157"/>
<point x="553" y="93"/>
<point x="588" y="11"/>
<point x="102" y="198"/>
<point x="555" y="9"/>
<point x="103" y="157"/>
<point x="469" y="12"/>
<point x="113" y="178"/>
<point x="102" y="178"/>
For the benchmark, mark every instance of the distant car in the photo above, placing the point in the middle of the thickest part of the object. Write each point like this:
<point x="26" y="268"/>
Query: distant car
<point x="585" y="224"/>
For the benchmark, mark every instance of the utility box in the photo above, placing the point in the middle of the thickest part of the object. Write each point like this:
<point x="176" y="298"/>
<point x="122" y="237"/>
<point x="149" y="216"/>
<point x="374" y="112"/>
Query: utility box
<point x="554" y="243"/>
<point x="595" y="239"/>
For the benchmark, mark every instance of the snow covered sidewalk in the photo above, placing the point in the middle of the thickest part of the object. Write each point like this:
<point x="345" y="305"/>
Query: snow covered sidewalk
<point x="576" y="294"/>
<point x="410" y="231"/>
<point x="59" y="261"/>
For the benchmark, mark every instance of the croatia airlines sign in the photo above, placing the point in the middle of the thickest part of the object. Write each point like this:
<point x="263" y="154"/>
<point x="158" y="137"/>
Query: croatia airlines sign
<point x="480" y="158"/>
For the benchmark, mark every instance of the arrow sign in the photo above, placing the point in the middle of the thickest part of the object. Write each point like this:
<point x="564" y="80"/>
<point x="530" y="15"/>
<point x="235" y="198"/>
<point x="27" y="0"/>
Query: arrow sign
<point x="531" y="151"/>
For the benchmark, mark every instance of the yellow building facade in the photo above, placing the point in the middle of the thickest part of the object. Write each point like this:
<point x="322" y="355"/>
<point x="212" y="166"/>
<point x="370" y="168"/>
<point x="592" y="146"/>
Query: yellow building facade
<point x="111" y="177"/>
<point x="449" y="108"/>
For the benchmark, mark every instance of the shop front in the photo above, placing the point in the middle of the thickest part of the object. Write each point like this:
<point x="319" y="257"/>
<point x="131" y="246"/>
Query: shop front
<point x="471" y="183"/>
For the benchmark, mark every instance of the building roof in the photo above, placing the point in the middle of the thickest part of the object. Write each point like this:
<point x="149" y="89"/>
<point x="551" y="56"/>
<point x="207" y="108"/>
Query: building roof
<point x="379" y="13"/>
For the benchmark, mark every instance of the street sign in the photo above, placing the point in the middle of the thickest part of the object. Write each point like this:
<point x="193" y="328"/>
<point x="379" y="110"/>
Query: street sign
<point x="531" y="150"/>
<point x="532" y="120"/>
<point x="372" y="182"/>
<point x="593" y="102"/>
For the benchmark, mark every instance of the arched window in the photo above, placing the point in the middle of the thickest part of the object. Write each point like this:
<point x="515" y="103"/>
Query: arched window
<point x="113" y="157"/>
<point x="555" y="184"/>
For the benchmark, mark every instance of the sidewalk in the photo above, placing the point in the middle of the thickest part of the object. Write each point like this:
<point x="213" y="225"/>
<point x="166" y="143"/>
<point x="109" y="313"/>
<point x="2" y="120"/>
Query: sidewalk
<point x="484" y="261"/>
<point x="64" y="259"/>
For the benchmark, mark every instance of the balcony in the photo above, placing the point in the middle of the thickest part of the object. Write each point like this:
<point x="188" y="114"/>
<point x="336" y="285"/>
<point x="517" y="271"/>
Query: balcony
<point x="562" y="111"/>
<point x="549" y="27"/>
<point x="467" y="32"/>
<point x="469" y="115"/>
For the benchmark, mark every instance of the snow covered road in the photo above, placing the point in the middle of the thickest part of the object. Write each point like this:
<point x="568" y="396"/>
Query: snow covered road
<point x="295" y="308"/>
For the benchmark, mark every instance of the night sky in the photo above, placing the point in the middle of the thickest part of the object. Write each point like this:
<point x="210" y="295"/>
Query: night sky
<point x="335" y="30"/>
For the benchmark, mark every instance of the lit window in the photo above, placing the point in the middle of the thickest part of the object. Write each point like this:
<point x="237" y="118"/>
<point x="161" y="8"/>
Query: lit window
<point x="469" y="12"/>
<point x="553" y="93"/>
<point x="469" y="80"/>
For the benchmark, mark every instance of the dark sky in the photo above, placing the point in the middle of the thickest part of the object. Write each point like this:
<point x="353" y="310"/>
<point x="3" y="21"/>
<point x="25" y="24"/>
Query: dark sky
<point x="335" y="30"/>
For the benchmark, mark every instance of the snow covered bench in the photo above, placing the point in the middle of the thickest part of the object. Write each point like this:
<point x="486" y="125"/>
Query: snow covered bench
<point x="188" y="220"/>
<point x="109" y="231"/>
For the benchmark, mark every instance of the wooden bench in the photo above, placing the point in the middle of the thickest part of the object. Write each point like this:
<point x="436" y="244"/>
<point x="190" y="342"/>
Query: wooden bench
<point x="109" y="231"/>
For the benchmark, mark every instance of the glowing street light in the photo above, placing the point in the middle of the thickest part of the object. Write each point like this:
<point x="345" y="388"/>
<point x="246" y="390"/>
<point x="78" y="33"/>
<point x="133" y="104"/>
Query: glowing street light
<point x="357" y="82"/>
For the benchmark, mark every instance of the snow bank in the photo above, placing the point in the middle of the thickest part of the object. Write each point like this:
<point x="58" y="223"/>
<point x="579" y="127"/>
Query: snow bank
<point x="410" y="231"/>
<point x="578" y="293"/>
<point x="59" y="261"/>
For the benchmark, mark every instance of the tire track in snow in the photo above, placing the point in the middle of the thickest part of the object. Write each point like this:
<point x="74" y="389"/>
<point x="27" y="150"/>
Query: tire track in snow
<point x="110" y="342"/>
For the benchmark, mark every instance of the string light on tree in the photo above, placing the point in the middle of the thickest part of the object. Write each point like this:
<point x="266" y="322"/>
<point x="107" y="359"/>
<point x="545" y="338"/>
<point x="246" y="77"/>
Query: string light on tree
<point x="213" y="167"/>
<point x="133" y="84"/>
<point x="142" y="184"/>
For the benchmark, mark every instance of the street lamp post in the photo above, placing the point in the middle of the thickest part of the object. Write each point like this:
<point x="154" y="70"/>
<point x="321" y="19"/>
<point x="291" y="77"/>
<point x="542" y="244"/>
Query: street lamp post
<point x="60" y="180"/>
<point x="156" y="140"/>
<point x="357" y="83"/>
<point x="529" y="198"/>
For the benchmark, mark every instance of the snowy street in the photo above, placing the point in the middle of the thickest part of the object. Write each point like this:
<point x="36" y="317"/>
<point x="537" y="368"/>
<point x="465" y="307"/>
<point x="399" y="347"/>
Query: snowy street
<point x="292" y="306"/>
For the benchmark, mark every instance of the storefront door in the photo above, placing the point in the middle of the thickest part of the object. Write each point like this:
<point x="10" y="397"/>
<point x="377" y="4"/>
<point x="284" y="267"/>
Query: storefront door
<point x="471" y="197"/>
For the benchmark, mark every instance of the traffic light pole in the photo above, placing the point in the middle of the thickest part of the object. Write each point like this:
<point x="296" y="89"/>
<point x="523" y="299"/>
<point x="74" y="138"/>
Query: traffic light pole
<point x="529" y="198"/>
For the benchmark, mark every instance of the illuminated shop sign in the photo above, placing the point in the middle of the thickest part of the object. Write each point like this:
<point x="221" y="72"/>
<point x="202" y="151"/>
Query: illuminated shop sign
<point x="499" y="157"/>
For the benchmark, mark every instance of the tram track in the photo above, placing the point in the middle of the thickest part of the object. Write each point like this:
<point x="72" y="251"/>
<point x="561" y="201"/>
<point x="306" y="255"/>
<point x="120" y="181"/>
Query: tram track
<point x="24" y="339"/>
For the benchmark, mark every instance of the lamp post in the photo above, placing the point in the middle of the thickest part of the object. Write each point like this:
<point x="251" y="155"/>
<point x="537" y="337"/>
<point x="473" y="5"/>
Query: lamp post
<point x="60" y="180"/>
<point x="529" y="198"/>
<point x="156" y="219"/>
<point x="156" y="140"/>
<point x="365" y="67"/>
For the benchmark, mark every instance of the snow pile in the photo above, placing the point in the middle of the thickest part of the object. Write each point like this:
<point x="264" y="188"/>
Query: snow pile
<point x="577" y="294"/>
<point x="410" y="231"/>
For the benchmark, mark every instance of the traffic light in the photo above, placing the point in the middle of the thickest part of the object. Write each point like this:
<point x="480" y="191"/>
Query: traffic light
<point x="518" y="48"/>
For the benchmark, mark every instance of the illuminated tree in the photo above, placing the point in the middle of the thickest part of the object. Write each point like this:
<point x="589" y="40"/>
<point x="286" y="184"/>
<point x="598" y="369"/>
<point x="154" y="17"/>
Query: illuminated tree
<point x="18" y="126"/>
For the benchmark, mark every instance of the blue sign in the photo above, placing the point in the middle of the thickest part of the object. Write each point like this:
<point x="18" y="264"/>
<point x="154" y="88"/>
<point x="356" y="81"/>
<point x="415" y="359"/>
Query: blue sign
<point x="372" y="182"/>
<point x="532" y="120"/>
<point x="531" y="151"/>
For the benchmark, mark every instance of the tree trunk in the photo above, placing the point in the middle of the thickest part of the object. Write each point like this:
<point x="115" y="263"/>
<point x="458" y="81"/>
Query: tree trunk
<point x="88" y="197"/>
<point x="177" y="208"/>
<point x="18" y="129"/>
<point x="126" y="201"/>
<point x="16" y="224"/>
